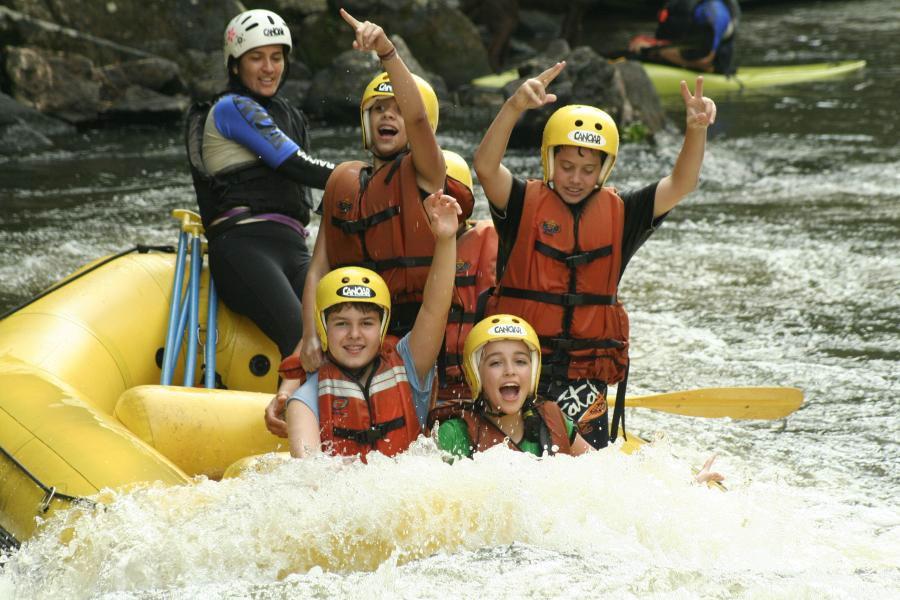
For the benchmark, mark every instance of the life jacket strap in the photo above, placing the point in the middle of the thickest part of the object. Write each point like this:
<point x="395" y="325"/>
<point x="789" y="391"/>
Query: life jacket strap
<point x="361" y="225"/>
<point x="568" y="299"/>
<point x="372" y="434"/>
<point x="572" y="260"/>
<point x="458" y="314"/>
<point x="465" y="280"/>
<point x="393" y="263"/>
<point x="563" y="343"/>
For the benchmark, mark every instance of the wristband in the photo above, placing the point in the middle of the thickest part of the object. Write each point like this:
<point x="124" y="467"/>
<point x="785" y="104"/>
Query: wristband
<point x="388" y="55"/>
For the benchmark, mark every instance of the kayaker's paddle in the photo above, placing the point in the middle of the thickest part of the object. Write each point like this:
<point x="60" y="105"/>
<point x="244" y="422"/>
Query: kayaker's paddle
<point x="734" y="402"/>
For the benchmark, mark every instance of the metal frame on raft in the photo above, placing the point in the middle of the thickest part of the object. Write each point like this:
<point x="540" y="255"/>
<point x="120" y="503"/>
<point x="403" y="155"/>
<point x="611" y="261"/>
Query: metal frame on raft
<point x="184" y="308"/>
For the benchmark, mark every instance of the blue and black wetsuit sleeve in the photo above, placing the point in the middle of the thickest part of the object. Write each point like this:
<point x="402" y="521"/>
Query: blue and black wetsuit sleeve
<point x="246" y="122"/>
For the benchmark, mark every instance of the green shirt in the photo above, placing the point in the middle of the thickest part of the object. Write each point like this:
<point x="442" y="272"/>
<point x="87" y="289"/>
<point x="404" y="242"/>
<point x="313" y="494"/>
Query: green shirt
<point x="453" y="437"/>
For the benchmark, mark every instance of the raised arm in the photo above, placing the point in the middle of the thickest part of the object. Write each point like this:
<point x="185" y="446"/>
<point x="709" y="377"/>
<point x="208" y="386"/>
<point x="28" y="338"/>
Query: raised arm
<point x="426" y="154"/>
<point x="495" y="178"/>
<point x="701" y="113"/>
<point x="310" y="347"/>
<point x="427" y="335"/>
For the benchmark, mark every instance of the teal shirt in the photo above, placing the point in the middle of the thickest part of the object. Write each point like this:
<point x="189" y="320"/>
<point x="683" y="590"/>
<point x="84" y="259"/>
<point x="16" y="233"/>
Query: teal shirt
<point x="453" y="437"/>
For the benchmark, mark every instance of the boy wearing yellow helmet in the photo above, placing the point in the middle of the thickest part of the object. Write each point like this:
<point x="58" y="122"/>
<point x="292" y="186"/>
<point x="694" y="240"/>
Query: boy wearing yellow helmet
<point x="372" y="213"/>
<point x="565" y="241"/>
<point x="370" y="394"/>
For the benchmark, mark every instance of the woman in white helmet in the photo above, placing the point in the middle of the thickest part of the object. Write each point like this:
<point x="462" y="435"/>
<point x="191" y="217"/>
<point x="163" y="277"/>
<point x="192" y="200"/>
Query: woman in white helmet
<point x="249" y="155"/>
<point x="564" y="242"/>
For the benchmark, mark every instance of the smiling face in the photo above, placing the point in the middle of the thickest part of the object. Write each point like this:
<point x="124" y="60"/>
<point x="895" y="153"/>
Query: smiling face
<point x="354" y="334"/>
<point x="387" y="130"/>
<point x="505" y="371"/>
<point x="575" y="172"/>
<point x="260" y="69"/>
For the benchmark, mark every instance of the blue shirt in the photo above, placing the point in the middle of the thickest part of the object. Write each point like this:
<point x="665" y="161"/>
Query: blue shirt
<point x="246" y="122"/>
<point x="308" y="393"/>
<point x="717" y="15"/>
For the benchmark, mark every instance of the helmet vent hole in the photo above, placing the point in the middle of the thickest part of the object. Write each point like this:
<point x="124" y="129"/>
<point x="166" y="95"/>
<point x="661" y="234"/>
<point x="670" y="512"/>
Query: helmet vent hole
<point x="271" y="20"/>
<point x="598" y="126"/>
<point x="495" y="320"/>
<point x="579" y="123"/>
<point x="345" y="280"/>
<point x="365" y="280"/>
<point x="251" y="27"/>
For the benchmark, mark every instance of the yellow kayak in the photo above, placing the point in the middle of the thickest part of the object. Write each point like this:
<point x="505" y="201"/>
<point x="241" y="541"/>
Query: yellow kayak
<point x="667" y="80"/>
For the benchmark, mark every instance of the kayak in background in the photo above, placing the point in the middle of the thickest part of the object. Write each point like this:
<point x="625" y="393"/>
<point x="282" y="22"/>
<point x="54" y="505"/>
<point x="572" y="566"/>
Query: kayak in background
<point x="667" y="80"/>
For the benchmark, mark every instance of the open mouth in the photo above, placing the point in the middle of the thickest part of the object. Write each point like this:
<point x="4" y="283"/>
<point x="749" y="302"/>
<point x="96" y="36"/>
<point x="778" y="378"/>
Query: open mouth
<point x="387" y="132"/>
<point x="509" y="392"/>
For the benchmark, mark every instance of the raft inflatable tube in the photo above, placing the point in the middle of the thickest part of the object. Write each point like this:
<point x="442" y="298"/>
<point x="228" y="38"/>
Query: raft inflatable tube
<point x="66" y="360"/>
<point x="667" y="79"/>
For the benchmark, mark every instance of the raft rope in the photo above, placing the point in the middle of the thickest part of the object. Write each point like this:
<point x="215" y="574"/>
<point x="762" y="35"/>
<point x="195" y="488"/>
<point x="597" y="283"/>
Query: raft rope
<point x="140" y="248"/>
<point x="50" y="492"/>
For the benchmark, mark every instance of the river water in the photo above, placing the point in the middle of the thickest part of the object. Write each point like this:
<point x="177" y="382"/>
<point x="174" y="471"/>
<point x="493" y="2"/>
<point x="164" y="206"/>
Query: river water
<point x="782" y="269"/>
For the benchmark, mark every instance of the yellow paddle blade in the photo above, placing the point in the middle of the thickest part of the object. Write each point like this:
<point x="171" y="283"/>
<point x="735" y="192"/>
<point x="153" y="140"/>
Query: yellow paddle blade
<point x="734" y="402"/>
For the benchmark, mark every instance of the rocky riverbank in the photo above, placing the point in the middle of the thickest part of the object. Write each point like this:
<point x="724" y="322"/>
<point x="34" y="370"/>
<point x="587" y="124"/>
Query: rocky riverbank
<point x="86" y="62"/>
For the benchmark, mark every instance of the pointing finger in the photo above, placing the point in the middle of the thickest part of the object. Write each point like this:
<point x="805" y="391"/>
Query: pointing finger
<point x="550" y="74"/>
<point x="352" y="22"/>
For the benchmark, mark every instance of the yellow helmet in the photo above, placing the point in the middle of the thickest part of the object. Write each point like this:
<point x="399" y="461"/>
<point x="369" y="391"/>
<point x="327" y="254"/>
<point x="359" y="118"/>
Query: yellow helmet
<point x="583" y="126"/>
<point x="458" y="168"/>
<point x="380" y="87"/>
<point x="492" y="329"/>
<point x="351" y="284"/>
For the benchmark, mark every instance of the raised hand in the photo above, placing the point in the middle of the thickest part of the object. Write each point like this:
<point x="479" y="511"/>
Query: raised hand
<point x="443" y="212"/>
<point x="369" y="36"/>
<point x="701" y="111"/>
<point x="705" y="475"/>
<point x="533" y="92"/>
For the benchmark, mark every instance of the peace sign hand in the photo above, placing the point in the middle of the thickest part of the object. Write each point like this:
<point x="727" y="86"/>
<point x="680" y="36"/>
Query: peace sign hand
<point x="701" y="111"/>
<point x="533" y="92"/>
<point x="369" y="36"/>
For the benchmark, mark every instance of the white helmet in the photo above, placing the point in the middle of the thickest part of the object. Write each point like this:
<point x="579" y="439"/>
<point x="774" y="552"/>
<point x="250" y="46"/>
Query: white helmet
<point x="252" y="29"/>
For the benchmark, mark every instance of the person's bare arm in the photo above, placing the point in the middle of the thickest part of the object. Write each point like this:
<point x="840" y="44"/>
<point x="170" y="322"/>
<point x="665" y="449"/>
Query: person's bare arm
<point x="427" y="335"/>
<point x="673" y="55"/>
<point x="303" y="430"/>
<point x="495" y="178"/>
<point x="310" y="346"/>
<point x="274" y="413"/>
<point x="700" y="114"/>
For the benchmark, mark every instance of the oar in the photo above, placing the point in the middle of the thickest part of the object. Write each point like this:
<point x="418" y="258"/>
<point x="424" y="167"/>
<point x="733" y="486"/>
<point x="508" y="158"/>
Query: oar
<point x="734" y="402"/>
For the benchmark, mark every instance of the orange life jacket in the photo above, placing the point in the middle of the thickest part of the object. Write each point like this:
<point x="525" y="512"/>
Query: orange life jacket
<point x="476" y="271"/>
<point x="376" y="220"/>
<point x="562" y="277"/>
<point x="379" y="415"/>
<point x="485" y="434"/>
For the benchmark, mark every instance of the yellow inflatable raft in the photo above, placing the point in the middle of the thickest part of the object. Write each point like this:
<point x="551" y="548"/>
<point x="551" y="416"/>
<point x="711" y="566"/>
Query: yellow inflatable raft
<point x="79" y="406"/>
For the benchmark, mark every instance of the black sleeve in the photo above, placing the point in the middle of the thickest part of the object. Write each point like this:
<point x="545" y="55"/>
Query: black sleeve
<point x="306" y="170"/>
<point x="506" y="222"/>
<point x="639" y="221"/>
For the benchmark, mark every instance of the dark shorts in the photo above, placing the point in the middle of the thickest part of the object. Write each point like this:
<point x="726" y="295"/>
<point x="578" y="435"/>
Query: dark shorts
<point x="259" y="270"/>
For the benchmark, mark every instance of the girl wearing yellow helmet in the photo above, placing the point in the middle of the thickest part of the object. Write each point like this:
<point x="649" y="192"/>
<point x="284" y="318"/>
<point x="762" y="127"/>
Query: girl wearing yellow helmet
<point x="502" y="365"/>
<point x="565" y="240"/>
